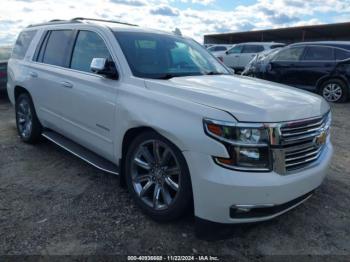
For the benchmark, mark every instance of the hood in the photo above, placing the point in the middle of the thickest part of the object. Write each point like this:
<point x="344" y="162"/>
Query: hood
<point x="247" y="99"/>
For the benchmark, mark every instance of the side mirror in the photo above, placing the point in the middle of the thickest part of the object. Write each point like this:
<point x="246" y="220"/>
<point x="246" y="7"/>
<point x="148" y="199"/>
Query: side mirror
<point x="104" y="67"/>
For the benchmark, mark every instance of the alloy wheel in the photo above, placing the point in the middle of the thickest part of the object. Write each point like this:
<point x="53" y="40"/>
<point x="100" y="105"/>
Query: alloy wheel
<point x="155" y="174"/>
<point x="332" y="92"/>
<point x="24" y="118"/>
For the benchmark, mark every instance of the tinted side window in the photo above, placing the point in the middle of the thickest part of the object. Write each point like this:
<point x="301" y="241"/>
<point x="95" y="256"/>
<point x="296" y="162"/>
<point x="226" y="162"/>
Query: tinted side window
<point x="341" y="54"/>
<point x="236" y="49"/>
<point x="211" y="48"/>
<point x="276" y="46"/>
<point x="289" y="54"/>
<point x="220" y="48"/>
<point x="22" y="43"/>
<point x="58" y="47"/>
<point x="318" y="53"/>
<point x="252" y="49"/>
<point x="88" y="46"/>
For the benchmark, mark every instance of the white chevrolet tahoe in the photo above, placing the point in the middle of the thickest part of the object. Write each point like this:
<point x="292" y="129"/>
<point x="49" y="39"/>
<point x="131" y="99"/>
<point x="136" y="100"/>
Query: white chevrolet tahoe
<point x="161" y="112"/>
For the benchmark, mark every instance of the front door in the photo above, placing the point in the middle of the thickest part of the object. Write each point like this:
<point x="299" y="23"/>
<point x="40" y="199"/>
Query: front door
<point x="90" y="99"/>
<point x="284" y="67"/>
<point x="249" y="51"/>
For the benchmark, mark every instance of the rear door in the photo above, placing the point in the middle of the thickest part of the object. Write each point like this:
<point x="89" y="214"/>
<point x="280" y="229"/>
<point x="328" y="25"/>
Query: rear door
<point x="248" y="53"/>
<point x="47" y="74"/>
<point x="317" y="62"/>
<point x="231" y="58"/>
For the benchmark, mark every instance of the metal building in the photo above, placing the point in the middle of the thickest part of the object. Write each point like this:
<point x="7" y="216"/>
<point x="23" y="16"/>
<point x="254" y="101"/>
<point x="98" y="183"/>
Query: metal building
<point x="339" y="31"/>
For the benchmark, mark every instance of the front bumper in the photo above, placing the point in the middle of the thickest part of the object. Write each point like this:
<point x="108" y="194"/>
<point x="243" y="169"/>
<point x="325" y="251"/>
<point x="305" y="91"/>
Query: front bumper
<point x="217" y="190"/>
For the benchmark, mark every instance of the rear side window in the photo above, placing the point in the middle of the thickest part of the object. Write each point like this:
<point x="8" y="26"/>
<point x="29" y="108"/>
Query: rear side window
<point x="22" y="43"/>
<point x="235" y="50"/>
<point x="276" y="46"/>
<point x="289" y="54"/>
<point x="341" y="54"/>
<point x="220" y="48"/>
<point x="58" y="46"/>
<point x="88" y="45"/>
<point x="319" y="53"/>
<point x="252" y="49"/>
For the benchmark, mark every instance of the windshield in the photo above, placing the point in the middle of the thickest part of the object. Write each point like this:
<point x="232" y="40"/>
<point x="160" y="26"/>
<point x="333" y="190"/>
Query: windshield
<point x="5" y="53"/>
<point x="158" y="56"/>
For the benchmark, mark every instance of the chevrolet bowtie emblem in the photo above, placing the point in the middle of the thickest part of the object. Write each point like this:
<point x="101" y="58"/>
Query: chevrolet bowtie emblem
<point x="320" y="139"/>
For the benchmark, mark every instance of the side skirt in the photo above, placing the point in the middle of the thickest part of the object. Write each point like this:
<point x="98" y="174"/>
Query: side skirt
<point x="81" y="152"/>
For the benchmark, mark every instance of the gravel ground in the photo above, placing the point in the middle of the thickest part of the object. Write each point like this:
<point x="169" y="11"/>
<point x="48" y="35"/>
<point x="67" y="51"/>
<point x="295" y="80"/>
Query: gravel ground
<point x="52" y="203"/>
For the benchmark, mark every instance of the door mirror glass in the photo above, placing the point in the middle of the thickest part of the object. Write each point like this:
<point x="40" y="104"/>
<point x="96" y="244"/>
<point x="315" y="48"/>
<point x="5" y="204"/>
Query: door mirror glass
<point x="104" y="67"/>
<point x="98" y="64"/>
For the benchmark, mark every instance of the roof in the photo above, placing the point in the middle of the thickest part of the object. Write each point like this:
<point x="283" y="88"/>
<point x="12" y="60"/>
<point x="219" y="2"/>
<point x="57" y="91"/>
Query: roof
<point x="113" y="25"/>
<point x="337" y="31"/>
<point x="341" y="44"/>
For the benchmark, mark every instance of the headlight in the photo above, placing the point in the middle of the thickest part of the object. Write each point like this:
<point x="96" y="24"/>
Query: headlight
<point x="247" y="144"/>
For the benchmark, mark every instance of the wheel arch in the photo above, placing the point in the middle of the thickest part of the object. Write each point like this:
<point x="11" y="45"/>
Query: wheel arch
<point x="18" y="90"/>
<point x="128" y="137"/>
<point x="328" y="77"/>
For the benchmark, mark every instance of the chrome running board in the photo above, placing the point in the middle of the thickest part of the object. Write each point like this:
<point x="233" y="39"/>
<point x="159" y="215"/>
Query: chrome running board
<point x="81" y="152"/>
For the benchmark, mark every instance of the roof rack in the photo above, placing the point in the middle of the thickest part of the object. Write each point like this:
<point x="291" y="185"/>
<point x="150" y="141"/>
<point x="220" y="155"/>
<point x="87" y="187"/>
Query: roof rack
<point x="54" y="22"/>
<point x="100" y="20"/>
<point x="78" y="20"/>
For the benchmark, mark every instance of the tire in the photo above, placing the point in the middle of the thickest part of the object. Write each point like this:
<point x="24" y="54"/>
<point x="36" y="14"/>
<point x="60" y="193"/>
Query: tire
<point x="145" y="176"/>
<point x="334" y="90"/>
<point x="28" y="126"/>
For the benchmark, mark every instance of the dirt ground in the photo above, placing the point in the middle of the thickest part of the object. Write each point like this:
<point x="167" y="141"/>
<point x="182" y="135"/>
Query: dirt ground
<point x="52" y="203"/>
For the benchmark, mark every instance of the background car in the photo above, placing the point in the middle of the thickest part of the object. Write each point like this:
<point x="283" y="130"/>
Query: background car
<point x="5" y="53"/>
<point x="322" y="67"/>
<point x="258" y="65"/>
<point x="240" y="55"/>
<point x="219" y="50"/>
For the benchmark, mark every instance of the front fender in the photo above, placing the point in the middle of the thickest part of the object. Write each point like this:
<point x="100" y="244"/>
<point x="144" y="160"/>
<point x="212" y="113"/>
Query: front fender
<point x="176" y="119"/>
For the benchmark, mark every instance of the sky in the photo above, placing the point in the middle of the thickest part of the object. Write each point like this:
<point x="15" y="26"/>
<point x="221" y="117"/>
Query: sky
<point x="194" y="18"/>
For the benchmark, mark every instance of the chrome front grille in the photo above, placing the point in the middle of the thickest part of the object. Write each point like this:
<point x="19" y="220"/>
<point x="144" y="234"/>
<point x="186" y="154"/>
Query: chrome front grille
<point x="303" y="141"/>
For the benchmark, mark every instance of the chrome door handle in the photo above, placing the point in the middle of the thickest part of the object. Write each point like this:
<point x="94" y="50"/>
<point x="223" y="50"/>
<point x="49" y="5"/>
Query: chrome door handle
<point x="67" y="84"/>
<point x="33" y="74"/>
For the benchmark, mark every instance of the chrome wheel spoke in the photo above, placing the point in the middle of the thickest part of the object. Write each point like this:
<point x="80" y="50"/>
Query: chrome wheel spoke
<point x="142" y="164"/>
<point x="147" y="155"/>
<point x="165" y="157"/>
<point x="142" y="178"/>
<point x="156" y="193"/>
<point x="146" y="188"/>
<point x="156" y="155"/>
<point x="171" y="184"/>
<point x="166" y="196"/>
<point x="172" y="171"/>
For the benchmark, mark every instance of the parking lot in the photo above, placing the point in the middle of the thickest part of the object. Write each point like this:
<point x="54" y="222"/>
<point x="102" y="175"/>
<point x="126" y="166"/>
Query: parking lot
<point x="53" y="203"/>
